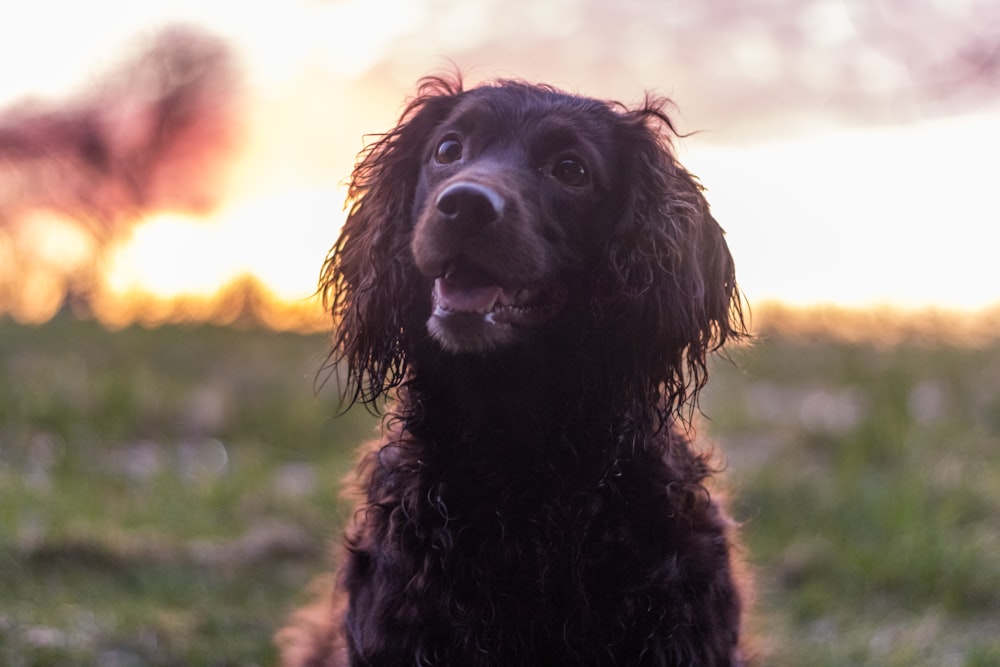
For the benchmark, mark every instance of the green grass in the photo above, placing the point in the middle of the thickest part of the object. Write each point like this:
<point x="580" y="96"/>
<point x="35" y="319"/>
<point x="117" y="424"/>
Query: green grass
<point x="868" y="479"/>
<point x="166" y="495"/>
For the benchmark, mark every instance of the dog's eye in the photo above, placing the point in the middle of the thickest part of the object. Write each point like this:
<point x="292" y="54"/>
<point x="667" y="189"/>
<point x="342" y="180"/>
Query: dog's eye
<point x="448" y="151"/>
<point x="571" y="172"/>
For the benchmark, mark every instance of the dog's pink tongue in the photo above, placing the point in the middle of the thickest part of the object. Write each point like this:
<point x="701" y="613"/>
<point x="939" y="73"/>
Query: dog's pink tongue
<point x="461" y="298"/>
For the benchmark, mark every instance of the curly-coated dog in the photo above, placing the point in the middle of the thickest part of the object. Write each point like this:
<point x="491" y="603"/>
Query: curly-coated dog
<point x="541" y="282"/>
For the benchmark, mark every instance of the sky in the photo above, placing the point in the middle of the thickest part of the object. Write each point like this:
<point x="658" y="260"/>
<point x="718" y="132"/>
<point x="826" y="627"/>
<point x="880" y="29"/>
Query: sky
<point x="848" y="147"/>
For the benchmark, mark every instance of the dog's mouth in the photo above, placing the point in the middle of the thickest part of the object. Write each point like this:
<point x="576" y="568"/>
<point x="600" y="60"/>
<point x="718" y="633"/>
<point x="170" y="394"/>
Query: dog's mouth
<point x="473" y="310"/>
<point x="473" y="293"/>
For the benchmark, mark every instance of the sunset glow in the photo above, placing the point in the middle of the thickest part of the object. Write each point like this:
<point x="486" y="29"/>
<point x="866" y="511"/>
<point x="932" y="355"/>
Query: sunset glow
<point x="280" y="241"/>
<point x="897" y="211"/>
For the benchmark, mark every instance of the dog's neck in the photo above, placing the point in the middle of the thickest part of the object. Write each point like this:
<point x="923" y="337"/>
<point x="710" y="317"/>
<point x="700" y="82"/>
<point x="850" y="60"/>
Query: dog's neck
<point x="525" y="402"/>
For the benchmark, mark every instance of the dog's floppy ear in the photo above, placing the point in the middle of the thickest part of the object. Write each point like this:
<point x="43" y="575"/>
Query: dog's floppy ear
<point x="365" y="275"/>
<point x="668" y="289"/>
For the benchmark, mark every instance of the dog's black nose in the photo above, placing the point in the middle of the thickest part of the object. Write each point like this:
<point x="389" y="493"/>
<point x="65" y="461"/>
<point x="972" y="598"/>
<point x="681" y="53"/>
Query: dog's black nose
<point x="470" y="203"/>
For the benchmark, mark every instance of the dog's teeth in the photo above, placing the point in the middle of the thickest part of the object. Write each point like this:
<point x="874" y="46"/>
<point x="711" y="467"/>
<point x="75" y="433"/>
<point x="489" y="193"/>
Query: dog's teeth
<point x="524" y="296"/>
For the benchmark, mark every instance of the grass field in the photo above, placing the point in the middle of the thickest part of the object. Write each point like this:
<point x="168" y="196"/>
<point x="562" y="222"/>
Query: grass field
<point x="166" y="495"/>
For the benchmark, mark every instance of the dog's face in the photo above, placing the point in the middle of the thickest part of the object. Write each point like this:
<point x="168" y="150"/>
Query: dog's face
<point x="507" y="213"/>
<point x="513" y="215"/>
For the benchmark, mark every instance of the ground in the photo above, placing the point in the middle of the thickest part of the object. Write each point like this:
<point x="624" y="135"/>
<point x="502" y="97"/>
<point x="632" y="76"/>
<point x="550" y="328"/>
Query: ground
<point x="167" y="495"/>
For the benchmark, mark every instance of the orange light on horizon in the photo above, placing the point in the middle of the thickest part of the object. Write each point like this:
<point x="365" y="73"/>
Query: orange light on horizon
<point x="276" y="242"/>
<point x="847" y="220"/>
<point x="62" y="252"/>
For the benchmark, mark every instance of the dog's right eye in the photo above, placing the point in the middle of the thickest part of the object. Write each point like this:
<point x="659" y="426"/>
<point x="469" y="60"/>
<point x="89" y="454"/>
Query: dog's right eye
<point x="448" y="151"/>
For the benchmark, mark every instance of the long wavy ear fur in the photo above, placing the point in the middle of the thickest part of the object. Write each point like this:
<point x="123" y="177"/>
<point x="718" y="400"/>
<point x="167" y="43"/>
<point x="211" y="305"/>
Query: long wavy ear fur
<point x="669" y="283"/>
<point x="363" y="277"/>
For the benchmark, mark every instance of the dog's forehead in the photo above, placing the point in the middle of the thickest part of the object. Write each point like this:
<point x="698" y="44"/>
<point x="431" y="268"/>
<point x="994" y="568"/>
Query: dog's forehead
<point x="527" y="111"/>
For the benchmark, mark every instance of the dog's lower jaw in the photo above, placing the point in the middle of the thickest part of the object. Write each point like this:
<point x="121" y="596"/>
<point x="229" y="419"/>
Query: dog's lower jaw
<point x="470" y="333"/>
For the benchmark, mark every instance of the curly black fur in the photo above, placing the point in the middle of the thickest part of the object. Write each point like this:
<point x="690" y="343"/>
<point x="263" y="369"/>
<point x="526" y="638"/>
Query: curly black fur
<point x="535" y="498"/>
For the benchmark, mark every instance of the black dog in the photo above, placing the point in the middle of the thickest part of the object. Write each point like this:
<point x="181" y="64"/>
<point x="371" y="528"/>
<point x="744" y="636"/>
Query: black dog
<point x="541" y="281"/>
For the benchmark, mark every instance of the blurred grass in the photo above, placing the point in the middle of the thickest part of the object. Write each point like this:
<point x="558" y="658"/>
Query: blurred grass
<point x="166" y="495"/>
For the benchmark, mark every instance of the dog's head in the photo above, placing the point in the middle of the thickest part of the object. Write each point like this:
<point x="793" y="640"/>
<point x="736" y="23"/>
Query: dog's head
<point x="511" y="214"/>
<point x="514" y="183"/>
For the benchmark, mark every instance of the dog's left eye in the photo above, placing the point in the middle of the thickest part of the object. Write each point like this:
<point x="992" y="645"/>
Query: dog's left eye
<point x="448" y="151"/>
<point x="571" y="172"/>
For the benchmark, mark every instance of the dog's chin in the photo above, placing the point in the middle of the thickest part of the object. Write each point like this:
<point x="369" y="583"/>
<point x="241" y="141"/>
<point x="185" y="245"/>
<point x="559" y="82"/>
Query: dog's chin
<point x="476" y="319"/>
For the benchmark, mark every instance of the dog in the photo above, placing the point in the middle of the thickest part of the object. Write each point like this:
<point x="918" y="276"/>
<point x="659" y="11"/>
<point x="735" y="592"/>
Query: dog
<point x="539" y="283"/>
